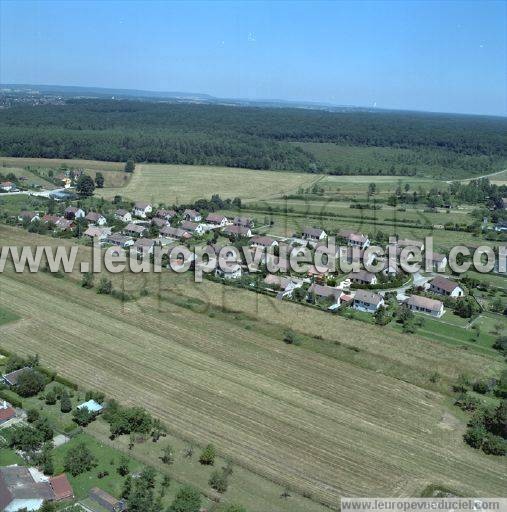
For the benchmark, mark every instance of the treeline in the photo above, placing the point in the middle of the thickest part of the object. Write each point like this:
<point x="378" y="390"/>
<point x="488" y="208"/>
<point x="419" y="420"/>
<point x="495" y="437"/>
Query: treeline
<point x="238" y="137"/>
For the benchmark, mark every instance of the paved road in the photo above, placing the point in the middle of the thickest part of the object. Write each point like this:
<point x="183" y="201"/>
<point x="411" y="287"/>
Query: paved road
<point x="466" y="180"/>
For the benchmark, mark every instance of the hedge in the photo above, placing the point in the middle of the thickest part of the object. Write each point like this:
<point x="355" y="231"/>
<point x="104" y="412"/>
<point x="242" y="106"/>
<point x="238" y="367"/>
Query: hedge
<point x="13" y="400"/>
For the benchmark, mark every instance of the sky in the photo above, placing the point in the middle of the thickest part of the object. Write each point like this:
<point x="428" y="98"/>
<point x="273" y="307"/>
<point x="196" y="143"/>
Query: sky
<point x="432" y="56"/>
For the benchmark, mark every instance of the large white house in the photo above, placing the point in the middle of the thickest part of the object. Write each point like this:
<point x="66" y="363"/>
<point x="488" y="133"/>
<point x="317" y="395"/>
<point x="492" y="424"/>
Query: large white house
<point x="142" y="210"/>
<point x="444" y="286"/>
<point x="365" y="300"/>
<point x="419" y="304"/>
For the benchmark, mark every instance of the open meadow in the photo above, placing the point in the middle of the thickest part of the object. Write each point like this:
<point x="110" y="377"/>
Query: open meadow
<point x="176" y="184"/>
<point x="209" y="360"/>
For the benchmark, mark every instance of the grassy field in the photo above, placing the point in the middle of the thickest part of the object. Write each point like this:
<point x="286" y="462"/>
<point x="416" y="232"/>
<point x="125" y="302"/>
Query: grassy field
<point x="293" y="223"/>
<point x="175" y="184"/>
<point x="318" y="424"/>
<point x="32" y="181"/>
<point x="55" y="163"/>
<point x="6" y="315"/>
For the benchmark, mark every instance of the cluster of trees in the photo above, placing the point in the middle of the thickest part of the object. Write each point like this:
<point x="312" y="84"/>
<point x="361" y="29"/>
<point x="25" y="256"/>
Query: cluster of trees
<point x="487" y="429"/>
<point x="258" y="138"/>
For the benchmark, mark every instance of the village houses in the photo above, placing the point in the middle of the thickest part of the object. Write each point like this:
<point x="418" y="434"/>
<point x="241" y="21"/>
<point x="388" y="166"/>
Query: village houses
<point x="142" y="210"/>
<point x="419" y="304"/>
<point x="123" y="215"/>
<point x="443" y="286"/>
<point x="367" y="301"/>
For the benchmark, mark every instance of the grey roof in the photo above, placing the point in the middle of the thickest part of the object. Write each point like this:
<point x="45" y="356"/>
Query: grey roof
<point x="316" y="232"/>
<point x="444" y="284"/>
<point x="325" y="291"/>
<point x="362" y="275"/>
<point x="16" y="482"/>
<point x="368" y="297"/>
<point x="424" y="302"/>
<point x="12" y="377"/>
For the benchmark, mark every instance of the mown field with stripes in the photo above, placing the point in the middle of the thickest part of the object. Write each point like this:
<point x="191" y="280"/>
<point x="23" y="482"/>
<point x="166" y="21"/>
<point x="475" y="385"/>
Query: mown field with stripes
<point x="316" y="424"/>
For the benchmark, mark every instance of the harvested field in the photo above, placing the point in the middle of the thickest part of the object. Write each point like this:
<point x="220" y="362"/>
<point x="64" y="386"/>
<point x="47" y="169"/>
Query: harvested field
<point x="175" y="184"/>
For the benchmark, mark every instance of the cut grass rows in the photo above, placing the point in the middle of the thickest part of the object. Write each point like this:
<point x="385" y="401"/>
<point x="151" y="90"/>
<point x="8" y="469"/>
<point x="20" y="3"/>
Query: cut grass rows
<point x="311" y="423"/>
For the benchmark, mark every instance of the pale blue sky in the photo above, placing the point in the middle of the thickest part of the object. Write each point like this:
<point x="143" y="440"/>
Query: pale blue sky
<point x="438" y="56"/>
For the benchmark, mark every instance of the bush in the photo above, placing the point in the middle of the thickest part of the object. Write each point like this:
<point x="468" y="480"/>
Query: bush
<point x="494" y="445"/>
<point x="105" y="286"/>
<point x="13" y="400"/>
<point x="66" y="382"/>
<point x="188" y="499"/>
<point x="65" y="403"/>
<point x="208" y="455"/>
<point x="32" y="415"/>
<point x="218" y="481"/>
<point x="475" y="436"/>
<point x="291" y="338"/>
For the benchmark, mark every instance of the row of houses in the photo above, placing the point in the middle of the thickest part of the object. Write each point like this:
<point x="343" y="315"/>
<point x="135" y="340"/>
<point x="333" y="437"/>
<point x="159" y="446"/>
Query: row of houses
<point x="366" y="300"/>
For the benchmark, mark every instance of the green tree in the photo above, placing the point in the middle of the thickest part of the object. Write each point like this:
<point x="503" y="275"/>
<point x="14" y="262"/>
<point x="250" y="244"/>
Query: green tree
<point x="123" y="466"/>
<point x="79" y="459"/>
<point x="45" y="461"/>
<point x="30" y="382"/>
<point x="85" y="186"/>
<point x="130" y="166"/>
<point x="83" y="416"/>
<point x="99" y="180"/>
<point x="188" y="499"/>
<point x="32" y="415"/>
<point x="207" y="457"/>
<point x="127" y="487"/>
<point x="65" y="403"/>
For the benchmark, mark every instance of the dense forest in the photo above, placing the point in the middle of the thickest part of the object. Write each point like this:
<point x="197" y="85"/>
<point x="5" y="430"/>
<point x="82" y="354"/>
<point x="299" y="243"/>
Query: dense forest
<point x="258" y="138"/>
